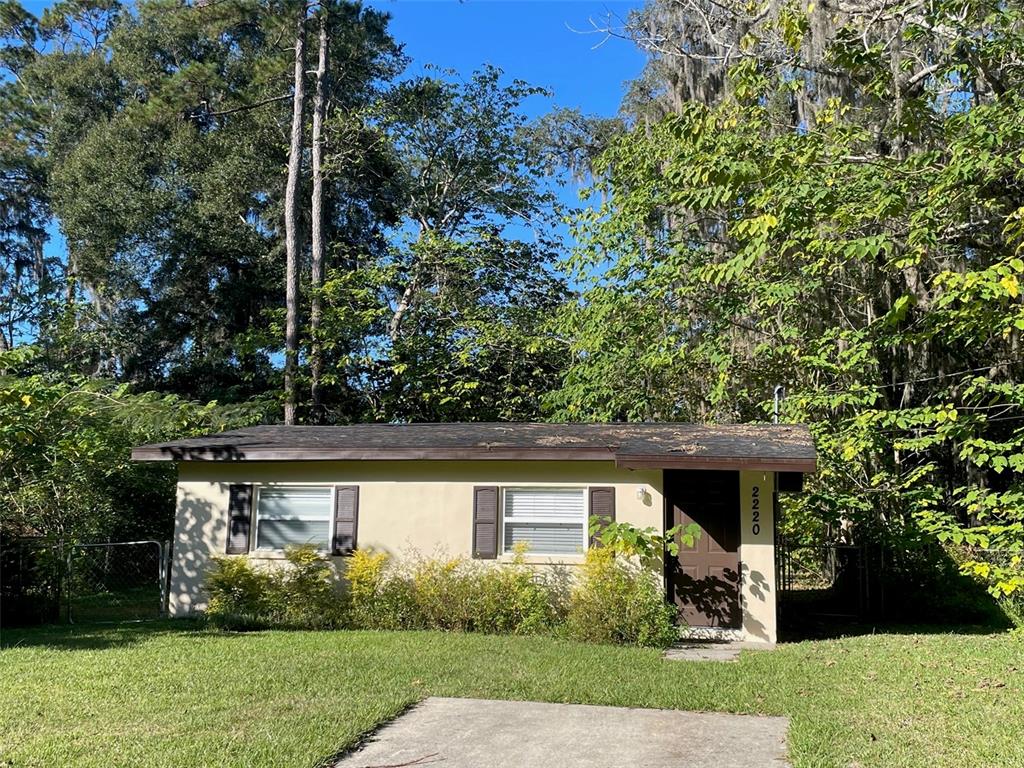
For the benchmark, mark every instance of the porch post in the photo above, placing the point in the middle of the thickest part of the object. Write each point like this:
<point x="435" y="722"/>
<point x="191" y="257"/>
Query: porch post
<point x="757" y="556"/>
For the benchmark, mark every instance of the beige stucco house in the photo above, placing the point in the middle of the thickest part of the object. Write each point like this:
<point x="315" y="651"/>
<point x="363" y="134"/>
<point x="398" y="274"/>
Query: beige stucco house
<point x="479" y="489"/>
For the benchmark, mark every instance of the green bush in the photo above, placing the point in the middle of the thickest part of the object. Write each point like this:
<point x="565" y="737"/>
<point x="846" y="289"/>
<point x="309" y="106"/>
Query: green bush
<point x="513" y="599"/>
<point x="645" y="545"/>
<point x="450" y="594"/>
<point x="442" y="592"/>
<point x="1013" y="609"/>
<point x="303" y="594"/>
<point x="240" y="594"/>
<point x="619" y="601"/>
<point x="376" y="598"/>
<point x="307" y="592"/>
<point x="616" y="601"/>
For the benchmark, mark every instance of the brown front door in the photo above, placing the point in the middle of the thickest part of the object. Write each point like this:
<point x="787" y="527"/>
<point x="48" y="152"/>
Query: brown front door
<point x="704" y="579"/>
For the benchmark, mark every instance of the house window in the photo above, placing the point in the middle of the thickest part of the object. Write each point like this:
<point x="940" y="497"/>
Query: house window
<point x="293" y="514"/>
<point x="550" y="521"/>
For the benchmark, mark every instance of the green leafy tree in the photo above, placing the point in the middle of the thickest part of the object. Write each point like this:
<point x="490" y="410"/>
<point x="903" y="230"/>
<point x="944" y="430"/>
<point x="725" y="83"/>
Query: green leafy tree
<point x="472" y="271"/>
<point x="157" y="128"/>
<point x="853" y="234"/>
<point x="65" y="447"/>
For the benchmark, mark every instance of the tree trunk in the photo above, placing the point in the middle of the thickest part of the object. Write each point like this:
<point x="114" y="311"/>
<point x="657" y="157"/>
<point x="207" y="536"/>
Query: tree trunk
<point x="71" y="286"/>
<point x="318" y="245"/>
<point x="395" y="324"/>
<point x="292" y="236"/>
<point x="408" y="295"/>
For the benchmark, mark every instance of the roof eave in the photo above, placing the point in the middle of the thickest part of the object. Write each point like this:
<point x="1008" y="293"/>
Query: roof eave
<point x="626" y="461"/>
<point x="231" y="453"/>
<point x="752" y="463"/>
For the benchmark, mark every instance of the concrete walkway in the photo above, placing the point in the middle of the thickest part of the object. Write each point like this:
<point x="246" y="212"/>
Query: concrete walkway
<point x="472" y="733"/>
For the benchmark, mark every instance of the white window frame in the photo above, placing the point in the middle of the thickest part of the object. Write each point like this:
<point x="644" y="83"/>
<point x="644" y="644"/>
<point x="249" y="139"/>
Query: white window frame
<point x="257" y="490"/>
<point x="584" y="543"/>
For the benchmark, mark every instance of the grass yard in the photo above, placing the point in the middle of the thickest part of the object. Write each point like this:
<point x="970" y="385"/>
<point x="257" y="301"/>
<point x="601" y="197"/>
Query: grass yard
<point x="172" y="694"/>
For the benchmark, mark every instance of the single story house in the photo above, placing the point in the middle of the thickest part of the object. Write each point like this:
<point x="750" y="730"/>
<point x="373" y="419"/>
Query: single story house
<point x="479" y="489"/>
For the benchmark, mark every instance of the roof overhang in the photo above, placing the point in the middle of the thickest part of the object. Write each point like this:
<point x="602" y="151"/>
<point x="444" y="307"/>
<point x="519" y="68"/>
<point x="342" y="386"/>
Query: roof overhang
<point x="623" y="460"/>
<point x="647" y="461"/>
<point x="149" y="453"/>
<point x="757" y="447"/>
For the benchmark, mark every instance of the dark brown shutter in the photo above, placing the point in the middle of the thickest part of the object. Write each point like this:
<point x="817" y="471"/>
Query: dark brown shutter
<point x="239" y="518"/>
<point x="602" y="505"/>
<point x="346" y="519"/>
<point x="485" y="522"/>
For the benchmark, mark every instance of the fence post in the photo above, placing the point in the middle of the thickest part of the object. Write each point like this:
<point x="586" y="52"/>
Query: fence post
<point x="165" y="547"/>
<point x="863" y="587"/>
<point x="69" y="589"/>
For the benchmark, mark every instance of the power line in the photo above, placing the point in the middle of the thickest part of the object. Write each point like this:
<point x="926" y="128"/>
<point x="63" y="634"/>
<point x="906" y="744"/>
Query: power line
<point x="936" y="377"/>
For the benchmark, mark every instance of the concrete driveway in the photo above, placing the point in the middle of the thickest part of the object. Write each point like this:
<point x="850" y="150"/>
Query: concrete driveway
<point x="473" y="733"/>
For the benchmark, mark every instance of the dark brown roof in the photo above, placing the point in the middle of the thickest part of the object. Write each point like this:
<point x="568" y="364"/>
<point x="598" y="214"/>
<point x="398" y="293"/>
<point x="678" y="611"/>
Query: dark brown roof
<point x="769" y="447"/>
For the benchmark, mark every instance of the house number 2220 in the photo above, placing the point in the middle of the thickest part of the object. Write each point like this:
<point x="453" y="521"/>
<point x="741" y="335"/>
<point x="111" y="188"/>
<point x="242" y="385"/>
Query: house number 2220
<point x="755" y="507"/>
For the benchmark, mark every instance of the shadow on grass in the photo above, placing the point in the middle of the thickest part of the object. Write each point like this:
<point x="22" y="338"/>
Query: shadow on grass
<point x="101" y="636"/>
<point x="92" y="637"/>
<point x="826" y="629"/>
<point x="887" y="591"/>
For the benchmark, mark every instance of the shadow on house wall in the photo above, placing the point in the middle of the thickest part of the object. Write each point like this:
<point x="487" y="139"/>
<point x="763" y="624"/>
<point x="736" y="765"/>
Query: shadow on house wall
<point x="200" y="534"/>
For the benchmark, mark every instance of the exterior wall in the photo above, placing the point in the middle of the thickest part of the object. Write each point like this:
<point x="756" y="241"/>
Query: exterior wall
<point x="426" y="506"/>
<point x="757" y="557"/>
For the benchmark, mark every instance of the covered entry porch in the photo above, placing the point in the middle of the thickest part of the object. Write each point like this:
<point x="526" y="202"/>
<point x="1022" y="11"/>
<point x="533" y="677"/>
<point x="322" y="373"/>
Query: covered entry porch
<point x="725" y="585"/>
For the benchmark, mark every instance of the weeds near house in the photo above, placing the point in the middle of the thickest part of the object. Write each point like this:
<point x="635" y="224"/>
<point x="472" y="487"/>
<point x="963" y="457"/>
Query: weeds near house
<point x="302" y="594"/>
<point x="615" y="601"/>
<point x="619" y="601"/>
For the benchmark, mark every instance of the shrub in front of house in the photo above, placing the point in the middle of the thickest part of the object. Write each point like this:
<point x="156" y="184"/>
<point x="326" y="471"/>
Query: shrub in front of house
<point x="619" y="601"/>
<point x="308" y="592"/>
<point x="376" y="598"/>
<point x="304" y="593"/>
<point x="514" y="599"/>
<point x="240" y="594"/>
<point x="449" y="594"/>
<point x="615" y="601"/>
<point x="443" y="591"/>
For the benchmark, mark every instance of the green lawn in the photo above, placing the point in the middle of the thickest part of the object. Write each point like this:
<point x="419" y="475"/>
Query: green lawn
<point x="170" y="694"/>
<point x="132" y="604"/>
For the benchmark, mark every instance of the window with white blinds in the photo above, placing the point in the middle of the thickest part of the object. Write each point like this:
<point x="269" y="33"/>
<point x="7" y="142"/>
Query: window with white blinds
<point x="293" y="514"/>
<point x="550" y="521"/>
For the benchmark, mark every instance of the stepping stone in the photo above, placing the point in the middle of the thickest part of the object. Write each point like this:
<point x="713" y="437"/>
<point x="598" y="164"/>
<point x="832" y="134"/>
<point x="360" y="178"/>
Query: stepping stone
<point x="704" y="652"/>
<point x="712" y="650"/>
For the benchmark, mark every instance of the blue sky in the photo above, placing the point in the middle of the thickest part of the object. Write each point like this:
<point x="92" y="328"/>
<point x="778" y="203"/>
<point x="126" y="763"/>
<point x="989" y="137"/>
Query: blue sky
<point x="540" y="41"/>
<point x="548" y="43"/>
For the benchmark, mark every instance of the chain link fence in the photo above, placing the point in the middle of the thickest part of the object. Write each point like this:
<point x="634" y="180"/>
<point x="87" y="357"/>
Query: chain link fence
<point x="118" y="581"/>
<point x="32" y="582"/>
<point x="824" y="580"/>
<point x="45" y="582"/>
<point x="822" y="584"/>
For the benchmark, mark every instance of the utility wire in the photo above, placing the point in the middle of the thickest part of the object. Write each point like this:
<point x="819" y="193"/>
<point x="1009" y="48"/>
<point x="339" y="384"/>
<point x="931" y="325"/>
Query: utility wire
<point x="964" y="372"/>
